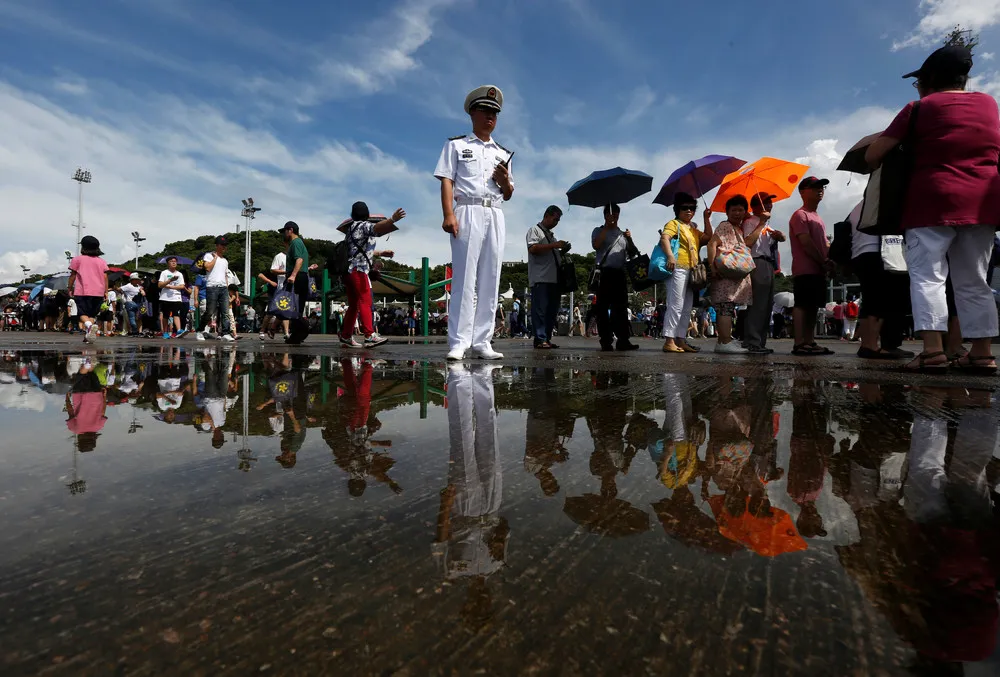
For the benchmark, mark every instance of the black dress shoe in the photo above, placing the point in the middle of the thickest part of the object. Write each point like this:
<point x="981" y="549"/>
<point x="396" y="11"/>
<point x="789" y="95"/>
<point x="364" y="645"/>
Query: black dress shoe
<point x="552" y="345"/>
<point x="607" y="348"/>
<point x="627" y="346"/>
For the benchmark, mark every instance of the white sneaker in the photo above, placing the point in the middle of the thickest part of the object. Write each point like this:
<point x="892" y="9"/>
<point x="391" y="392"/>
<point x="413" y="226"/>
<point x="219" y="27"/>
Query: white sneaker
<point x="731" y="348"/>
<point x="456" y="355"/>
<point x="91" y="333"/>
<point x="263" y="337"/>
<point x="488" y="353"/>
<point x="199" y="336"/>
<point x="374" y="341"/>
<point x="227" y="337"/>
<point x="349" y="342"/>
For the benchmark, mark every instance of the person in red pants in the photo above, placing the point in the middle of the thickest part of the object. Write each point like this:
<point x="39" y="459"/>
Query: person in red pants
<point x="361" y="233"/>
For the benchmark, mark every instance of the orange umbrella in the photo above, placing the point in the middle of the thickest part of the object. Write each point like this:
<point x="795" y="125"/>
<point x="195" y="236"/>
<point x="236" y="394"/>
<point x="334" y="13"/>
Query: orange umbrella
<point x="767" y="175"/>
<point x="767" y="535"/>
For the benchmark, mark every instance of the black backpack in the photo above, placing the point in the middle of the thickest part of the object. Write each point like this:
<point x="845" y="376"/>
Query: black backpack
<point x="840" y="248"/>
<point x="340" y="260"/>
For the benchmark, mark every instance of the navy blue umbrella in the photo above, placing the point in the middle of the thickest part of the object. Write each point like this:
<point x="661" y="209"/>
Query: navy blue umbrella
<point x="698" y="177"/>
<point x="609" y="186"/>
<point x="181" y="260"/>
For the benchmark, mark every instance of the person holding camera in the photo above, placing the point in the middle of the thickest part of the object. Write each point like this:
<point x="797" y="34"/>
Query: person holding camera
<point x="544" y="259"/>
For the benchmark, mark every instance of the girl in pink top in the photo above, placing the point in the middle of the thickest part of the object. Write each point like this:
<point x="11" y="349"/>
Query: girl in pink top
<point x="88" y="284"/>
<point x="952" y="206"/>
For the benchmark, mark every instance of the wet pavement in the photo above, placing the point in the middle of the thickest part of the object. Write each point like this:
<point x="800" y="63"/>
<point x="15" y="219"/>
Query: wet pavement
<point x="206" y="510"/>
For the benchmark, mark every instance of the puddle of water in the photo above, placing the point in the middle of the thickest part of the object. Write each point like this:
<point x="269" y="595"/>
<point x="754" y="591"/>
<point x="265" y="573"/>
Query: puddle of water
<point x="216" y="512"/>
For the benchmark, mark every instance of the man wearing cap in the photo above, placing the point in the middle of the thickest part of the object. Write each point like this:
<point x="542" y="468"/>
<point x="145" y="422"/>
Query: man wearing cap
<point x="763" y="241"/>
<point x="216" y="292"/>
<point x="297" y="264"/>
<point x="129" y="292"/>
<point x="810" y="265"/>
<point x="475" y="176"/>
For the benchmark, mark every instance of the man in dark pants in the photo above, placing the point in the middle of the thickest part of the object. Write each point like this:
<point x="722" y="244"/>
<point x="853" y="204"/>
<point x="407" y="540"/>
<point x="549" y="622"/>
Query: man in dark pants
<point x="612" y="245"/>
<point x="763" y="241"/>
<point x="544" y="257"/>
<point x="297" y="265"/>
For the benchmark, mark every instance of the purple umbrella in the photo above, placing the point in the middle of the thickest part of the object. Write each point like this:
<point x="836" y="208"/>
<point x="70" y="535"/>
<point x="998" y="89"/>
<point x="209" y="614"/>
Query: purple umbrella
<point x="698" y="177"/>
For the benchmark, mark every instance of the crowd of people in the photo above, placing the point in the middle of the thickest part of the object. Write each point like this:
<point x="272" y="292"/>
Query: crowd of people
<point x="951" y="211"/>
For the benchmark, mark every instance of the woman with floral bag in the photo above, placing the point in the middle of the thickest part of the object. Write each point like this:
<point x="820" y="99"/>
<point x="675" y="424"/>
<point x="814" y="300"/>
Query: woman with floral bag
<point x="731" y="265"/>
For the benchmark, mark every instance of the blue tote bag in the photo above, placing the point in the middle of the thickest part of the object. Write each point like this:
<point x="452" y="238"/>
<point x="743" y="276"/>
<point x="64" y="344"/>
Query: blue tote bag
<point x="658" y="259"/>
<point x="284" y="304"/>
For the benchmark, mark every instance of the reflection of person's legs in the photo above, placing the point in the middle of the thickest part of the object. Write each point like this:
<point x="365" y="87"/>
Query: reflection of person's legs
<point x="677" y="402"/>
<point x="487" y="454"/>
<point x="924" y="490"/>
<point x="975" y="440"/>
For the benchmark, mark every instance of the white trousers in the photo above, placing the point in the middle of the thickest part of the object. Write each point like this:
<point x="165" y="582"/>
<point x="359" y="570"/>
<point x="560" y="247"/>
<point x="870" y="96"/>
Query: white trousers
<point x="850" y="326"/>
<point x="933" y="252"/>
<point x="677" y="308"/>
<point x="476" y="256"/>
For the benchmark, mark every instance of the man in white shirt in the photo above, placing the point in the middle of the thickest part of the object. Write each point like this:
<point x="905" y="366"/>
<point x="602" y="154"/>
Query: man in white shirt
<point x="216" y="292"/>
<point x="171" y="284"/>
<point x="129" y="292"/>
<point x="475" y="176"/>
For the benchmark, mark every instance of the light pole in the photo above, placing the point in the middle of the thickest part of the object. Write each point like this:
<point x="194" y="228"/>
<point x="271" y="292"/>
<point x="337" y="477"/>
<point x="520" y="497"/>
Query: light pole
<point x="69" y="257"/>
<point x="81" y="177"/>
<point x="248" y="213"/>
<point x="24" y="273"/>
<point x="137" y="239"/>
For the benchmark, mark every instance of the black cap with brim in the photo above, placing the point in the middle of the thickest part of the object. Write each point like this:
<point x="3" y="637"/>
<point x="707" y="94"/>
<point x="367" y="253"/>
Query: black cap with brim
<point x="813" y="182"/>
<point x="289" y="225"/>
<point x="89" y="243"/>
<point x="951" y="60"/>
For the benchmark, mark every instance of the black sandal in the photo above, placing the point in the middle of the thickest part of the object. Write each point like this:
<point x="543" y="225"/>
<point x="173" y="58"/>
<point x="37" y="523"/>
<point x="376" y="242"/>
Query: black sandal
<point x="972" y="366"/>
<point x="810" y="350"/>
<point x="924" y="368"/>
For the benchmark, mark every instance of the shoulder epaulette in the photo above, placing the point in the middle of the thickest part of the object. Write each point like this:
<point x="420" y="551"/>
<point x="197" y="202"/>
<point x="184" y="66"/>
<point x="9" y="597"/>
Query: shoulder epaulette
<point x="501" y="147"/>
<point x="456" y="138"/>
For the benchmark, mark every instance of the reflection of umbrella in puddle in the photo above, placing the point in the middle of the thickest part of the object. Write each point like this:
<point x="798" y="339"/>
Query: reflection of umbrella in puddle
<point x="606" y="516"/>
<point x="692" y="527"/>
<point x="767" y="535"/>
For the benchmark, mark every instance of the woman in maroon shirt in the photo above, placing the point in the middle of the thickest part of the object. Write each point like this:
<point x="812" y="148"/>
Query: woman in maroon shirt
<point x="952" y="206"/>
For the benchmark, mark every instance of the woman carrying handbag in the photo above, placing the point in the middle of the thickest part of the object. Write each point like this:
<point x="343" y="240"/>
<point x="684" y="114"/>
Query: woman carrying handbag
<point x="731" y="264"/>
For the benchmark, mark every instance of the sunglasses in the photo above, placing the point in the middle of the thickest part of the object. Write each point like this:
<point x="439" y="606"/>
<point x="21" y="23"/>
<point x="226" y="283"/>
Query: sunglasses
<point x="687" y="208"/>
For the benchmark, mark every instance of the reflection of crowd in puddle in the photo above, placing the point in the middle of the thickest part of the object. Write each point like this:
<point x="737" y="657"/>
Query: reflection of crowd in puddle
<point x="899" y="482"/>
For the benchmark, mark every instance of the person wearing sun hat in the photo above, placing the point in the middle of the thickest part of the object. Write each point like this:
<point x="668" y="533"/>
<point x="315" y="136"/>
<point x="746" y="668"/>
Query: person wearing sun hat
<point x="475" y="175"/>
<point x="88" y="284"/>
<point x="952" y="206"/>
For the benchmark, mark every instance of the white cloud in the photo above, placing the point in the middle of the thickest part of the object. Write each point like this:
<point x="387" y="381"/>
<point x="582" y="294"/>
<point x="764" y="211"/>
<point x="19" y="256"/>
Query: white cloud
<point x="939" y="17"/>
<point x="74" y="87"/>
<point x="37" y="260"/>
<point x="987" y="56"/>
<point x="571" y="114"/>
<point x="642" y="98"/>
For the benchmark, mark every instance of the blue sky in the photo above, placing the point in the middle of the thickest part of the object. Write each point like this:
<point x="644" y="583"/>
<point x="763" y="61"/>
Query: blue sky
<point x="180" y="108"/>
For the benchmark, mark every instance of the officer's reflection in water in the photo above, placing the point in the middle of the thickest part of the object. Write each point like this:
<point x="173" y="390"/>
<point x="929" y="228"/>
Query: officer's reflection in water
<point x="927" y="511"/>
<point x="471" y="540"/>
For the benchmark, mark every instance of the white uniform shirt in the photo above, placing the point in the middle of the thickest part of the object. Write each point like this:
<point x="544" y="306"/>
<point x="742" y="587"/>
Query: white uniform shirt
<point x="470" y="163"/>
<point x="862" y="243"/>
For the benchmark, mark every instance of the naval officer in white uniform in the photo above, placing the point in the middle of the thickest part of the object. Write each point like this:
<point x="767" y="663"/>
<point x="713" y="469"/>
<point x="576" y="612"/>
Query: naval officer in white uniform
<point x="475" y="182"/>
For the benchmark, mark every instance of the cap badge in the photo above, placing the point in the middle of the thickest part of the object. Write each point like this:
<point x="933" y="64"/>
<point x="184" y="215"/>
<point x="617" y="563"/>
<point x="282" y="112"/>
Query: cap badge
<point x="491" y="92"/>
